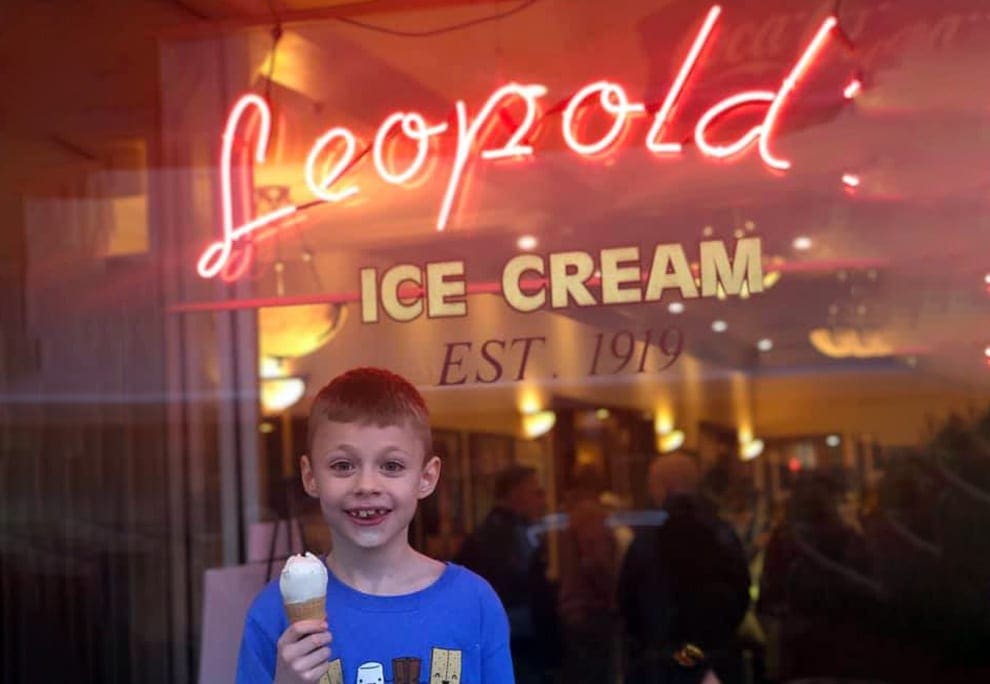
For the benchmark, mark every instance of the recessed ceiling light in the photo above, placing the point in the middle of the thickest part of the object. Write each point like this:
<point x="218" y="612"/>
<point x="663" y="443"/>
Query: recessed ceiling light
<point x="526" y="242"/>
<point x="802" y="243"/>
<point x="676" y="308"/>
<point x="765" y="345"/>
<point x="720" y="326"/>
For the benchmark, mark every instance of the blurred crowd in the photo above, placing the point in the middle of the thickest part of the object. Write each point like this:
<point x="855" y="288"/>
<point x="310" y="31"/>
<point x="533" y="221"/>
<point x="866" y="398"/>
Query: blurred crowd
<point x="888" y="581"/>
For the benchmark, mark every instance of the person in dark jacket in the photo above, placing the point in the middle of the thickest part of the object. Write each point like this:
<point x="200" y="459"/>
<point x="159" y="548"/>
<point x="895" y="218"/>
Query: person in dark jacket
<point x="684" y="586"/>
<point x="503" y="551"/>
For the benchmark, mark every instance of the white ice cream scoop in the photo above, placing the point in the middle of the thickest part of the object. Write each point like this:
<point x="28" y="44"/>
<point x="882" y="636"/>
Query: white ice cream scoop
<point x="304" y="578"/>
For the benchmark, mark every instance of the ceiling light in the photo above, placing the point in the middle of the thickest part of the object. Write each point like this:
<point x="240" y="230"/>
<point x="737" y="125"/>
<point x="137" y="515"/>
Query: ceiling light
<point x="539" y="423"/>
<point x="833" y="440"/>
<point x="720" y="326"/>
<point x="765" y="345"/>
<point x="526" y="243"/>
<point x="751" y="449"/>
<point x="280" y="394"/>
<point x="672" y="441"/>
<point x="676" y="308"/>
<point x="802" y="243"/>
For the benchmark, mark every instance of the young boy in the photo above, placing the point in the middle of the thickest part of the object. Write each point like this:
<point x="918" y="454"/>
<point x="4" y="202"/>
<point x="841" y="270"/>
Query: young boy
<point x="394" y="614"/>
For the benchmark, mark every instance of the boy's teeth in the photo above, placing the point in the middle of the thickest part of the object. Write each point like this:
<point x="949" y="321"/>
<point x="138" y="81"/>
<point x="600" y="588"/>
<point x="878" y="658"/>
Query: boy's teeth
<point x="367" y="513"/>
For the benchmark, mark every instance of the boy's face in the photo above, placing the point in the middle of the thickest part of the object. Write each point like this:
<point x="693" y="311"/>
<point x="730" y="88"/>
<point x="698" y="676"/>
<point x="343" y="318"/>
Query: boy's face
<point x="368" y="480"/>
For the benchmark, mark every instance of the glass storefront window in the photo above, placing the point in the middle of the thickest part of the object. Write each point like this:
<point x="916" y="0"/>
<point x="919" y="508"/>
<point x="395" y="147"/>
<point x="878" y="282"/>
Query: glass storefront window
<point x="697" y="296"/>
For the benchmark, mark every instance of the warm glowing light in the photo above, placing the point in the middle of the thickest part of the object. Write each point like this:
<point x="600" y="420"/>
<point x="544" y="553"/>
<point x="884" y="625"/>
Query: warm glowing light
<point x="986" y="279"/>
<point x="294" y="331"/>
<point x="850" y="343"/>
<point x="526" y="243"/>
<point x="751" y="449"/>
<point x="663" y="421"/>
<point x="790" y="83"/>
<point x="802" y="243"/>
<point x="833" y="441"/>
<point x="765" y="345"/>
<point x="280" y="394"/>
<point x="851" y="180"/>
<point x="217" y="254"/>
<point x="794" y="464"/>
<point x="719" y="326"/>
<point x="467" y="137"/>
<point x="538" y="424"/>
<point x="653" y="142"/>
<point x="675" y="308"/>
<point x="414" y="127"/>
<point x="854" y="88"/>
<point x="986" y="351"/>
<point x="279" y="391"/>
<point x="602" y="414"/>
<point x="530" y="401"/>
<point x="671" y="441"/>
<point x="613" y="99"/>
<point x="770" y="278"/>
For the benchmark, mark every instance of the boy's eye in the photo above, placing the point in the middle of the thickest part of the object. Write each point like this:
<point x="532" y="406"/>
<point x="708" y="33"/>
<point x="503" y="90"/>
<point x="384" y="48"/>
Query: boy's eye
<point x="393" y="467"/>
<point x="341" y="466"/>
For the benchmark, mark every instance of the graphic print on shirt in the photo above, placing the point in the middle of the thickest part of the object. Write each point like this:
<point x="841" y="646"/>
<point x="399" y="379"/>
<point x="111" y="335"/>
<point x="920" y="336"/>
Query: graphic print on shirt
<point x="445" y="666"/>
<point x="335" y="675"/>
<point x="371" y="673"/>
<point x="406" y="670"/>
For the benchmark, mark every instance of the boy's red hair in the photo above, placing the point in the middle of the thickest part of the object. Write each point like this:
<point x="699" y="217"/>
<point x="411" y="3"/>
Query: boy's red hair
<point x="371" y="396"/>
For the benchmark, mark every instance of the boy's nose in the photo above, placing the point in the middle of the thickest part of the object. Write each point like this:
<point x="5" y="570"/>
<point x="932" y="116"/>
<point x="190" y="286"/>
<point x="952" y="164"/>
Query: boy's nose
<point x="368" y="482"/>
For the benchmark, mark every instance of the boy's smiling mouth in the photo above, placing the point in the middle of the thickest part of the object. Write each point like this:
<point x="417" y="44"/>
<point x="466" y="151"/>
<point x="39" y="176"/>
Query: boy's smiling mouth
<point x="367" y="516"/>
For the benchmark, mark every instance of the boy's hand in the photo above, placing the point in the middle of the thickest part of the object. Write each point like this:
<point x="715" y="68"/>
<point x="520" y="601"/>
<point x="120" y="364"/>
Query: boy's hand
<point x="303" y="652"/>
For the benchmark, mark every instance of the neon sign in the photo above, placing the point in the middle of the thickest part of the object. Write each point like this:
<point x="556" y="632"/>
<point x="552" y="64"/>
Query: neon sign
<point x="336" y="151"/>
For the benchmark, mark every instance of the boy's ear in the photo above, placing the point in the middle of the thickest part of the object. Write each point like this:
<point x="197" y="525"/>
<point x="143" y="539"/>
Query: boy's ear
<point x="429" y="477"/>
<point x="308" y="478"/>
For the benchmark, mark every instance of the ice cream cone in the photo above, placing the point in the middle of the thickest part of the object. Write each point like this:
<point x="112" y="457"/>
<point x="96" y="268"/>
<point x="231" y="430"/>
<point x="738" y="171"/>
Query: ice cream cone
<point x="313" y="609"/>
<point x="303" y="585"/>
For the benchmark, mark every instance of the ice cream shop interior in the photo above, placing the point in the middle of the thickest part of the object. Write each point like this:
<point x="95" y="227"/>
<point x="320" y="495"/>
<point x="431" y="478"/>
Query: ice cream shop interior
<point x="738" y="252"/>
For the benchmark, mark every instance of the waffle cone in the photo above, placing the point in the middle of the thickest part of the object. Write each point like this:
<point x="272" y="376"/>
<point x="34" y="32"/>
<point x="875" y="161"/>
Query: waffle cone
<point x="313" y="609"/>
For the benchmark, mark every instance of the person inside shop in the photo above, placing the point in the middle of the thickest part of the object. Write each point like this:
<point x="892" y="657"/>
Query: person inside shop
<point x="389" y="612"/>
<point x="684" y="585"/>
<point x="505" y="550"/>
<point x="588" y="571"/>
<point x="817" y="593"/>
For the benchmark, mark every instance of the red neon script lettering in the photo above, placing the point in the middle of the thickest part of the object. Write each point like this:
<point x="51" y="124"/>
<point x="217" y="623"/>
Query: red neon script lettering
<point x="613" y="99"/>
<point x="467" y="137"/>
<point x="216" y="255"/>
<point x="662" y="118"/>
<point x="336" y="151"/>
<point x="790" y="83"/>
<point x="721" y="109"/>
<point x="764" y="131"/>
<point x="320" y="187"/>
<point x="413" y="127"/>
